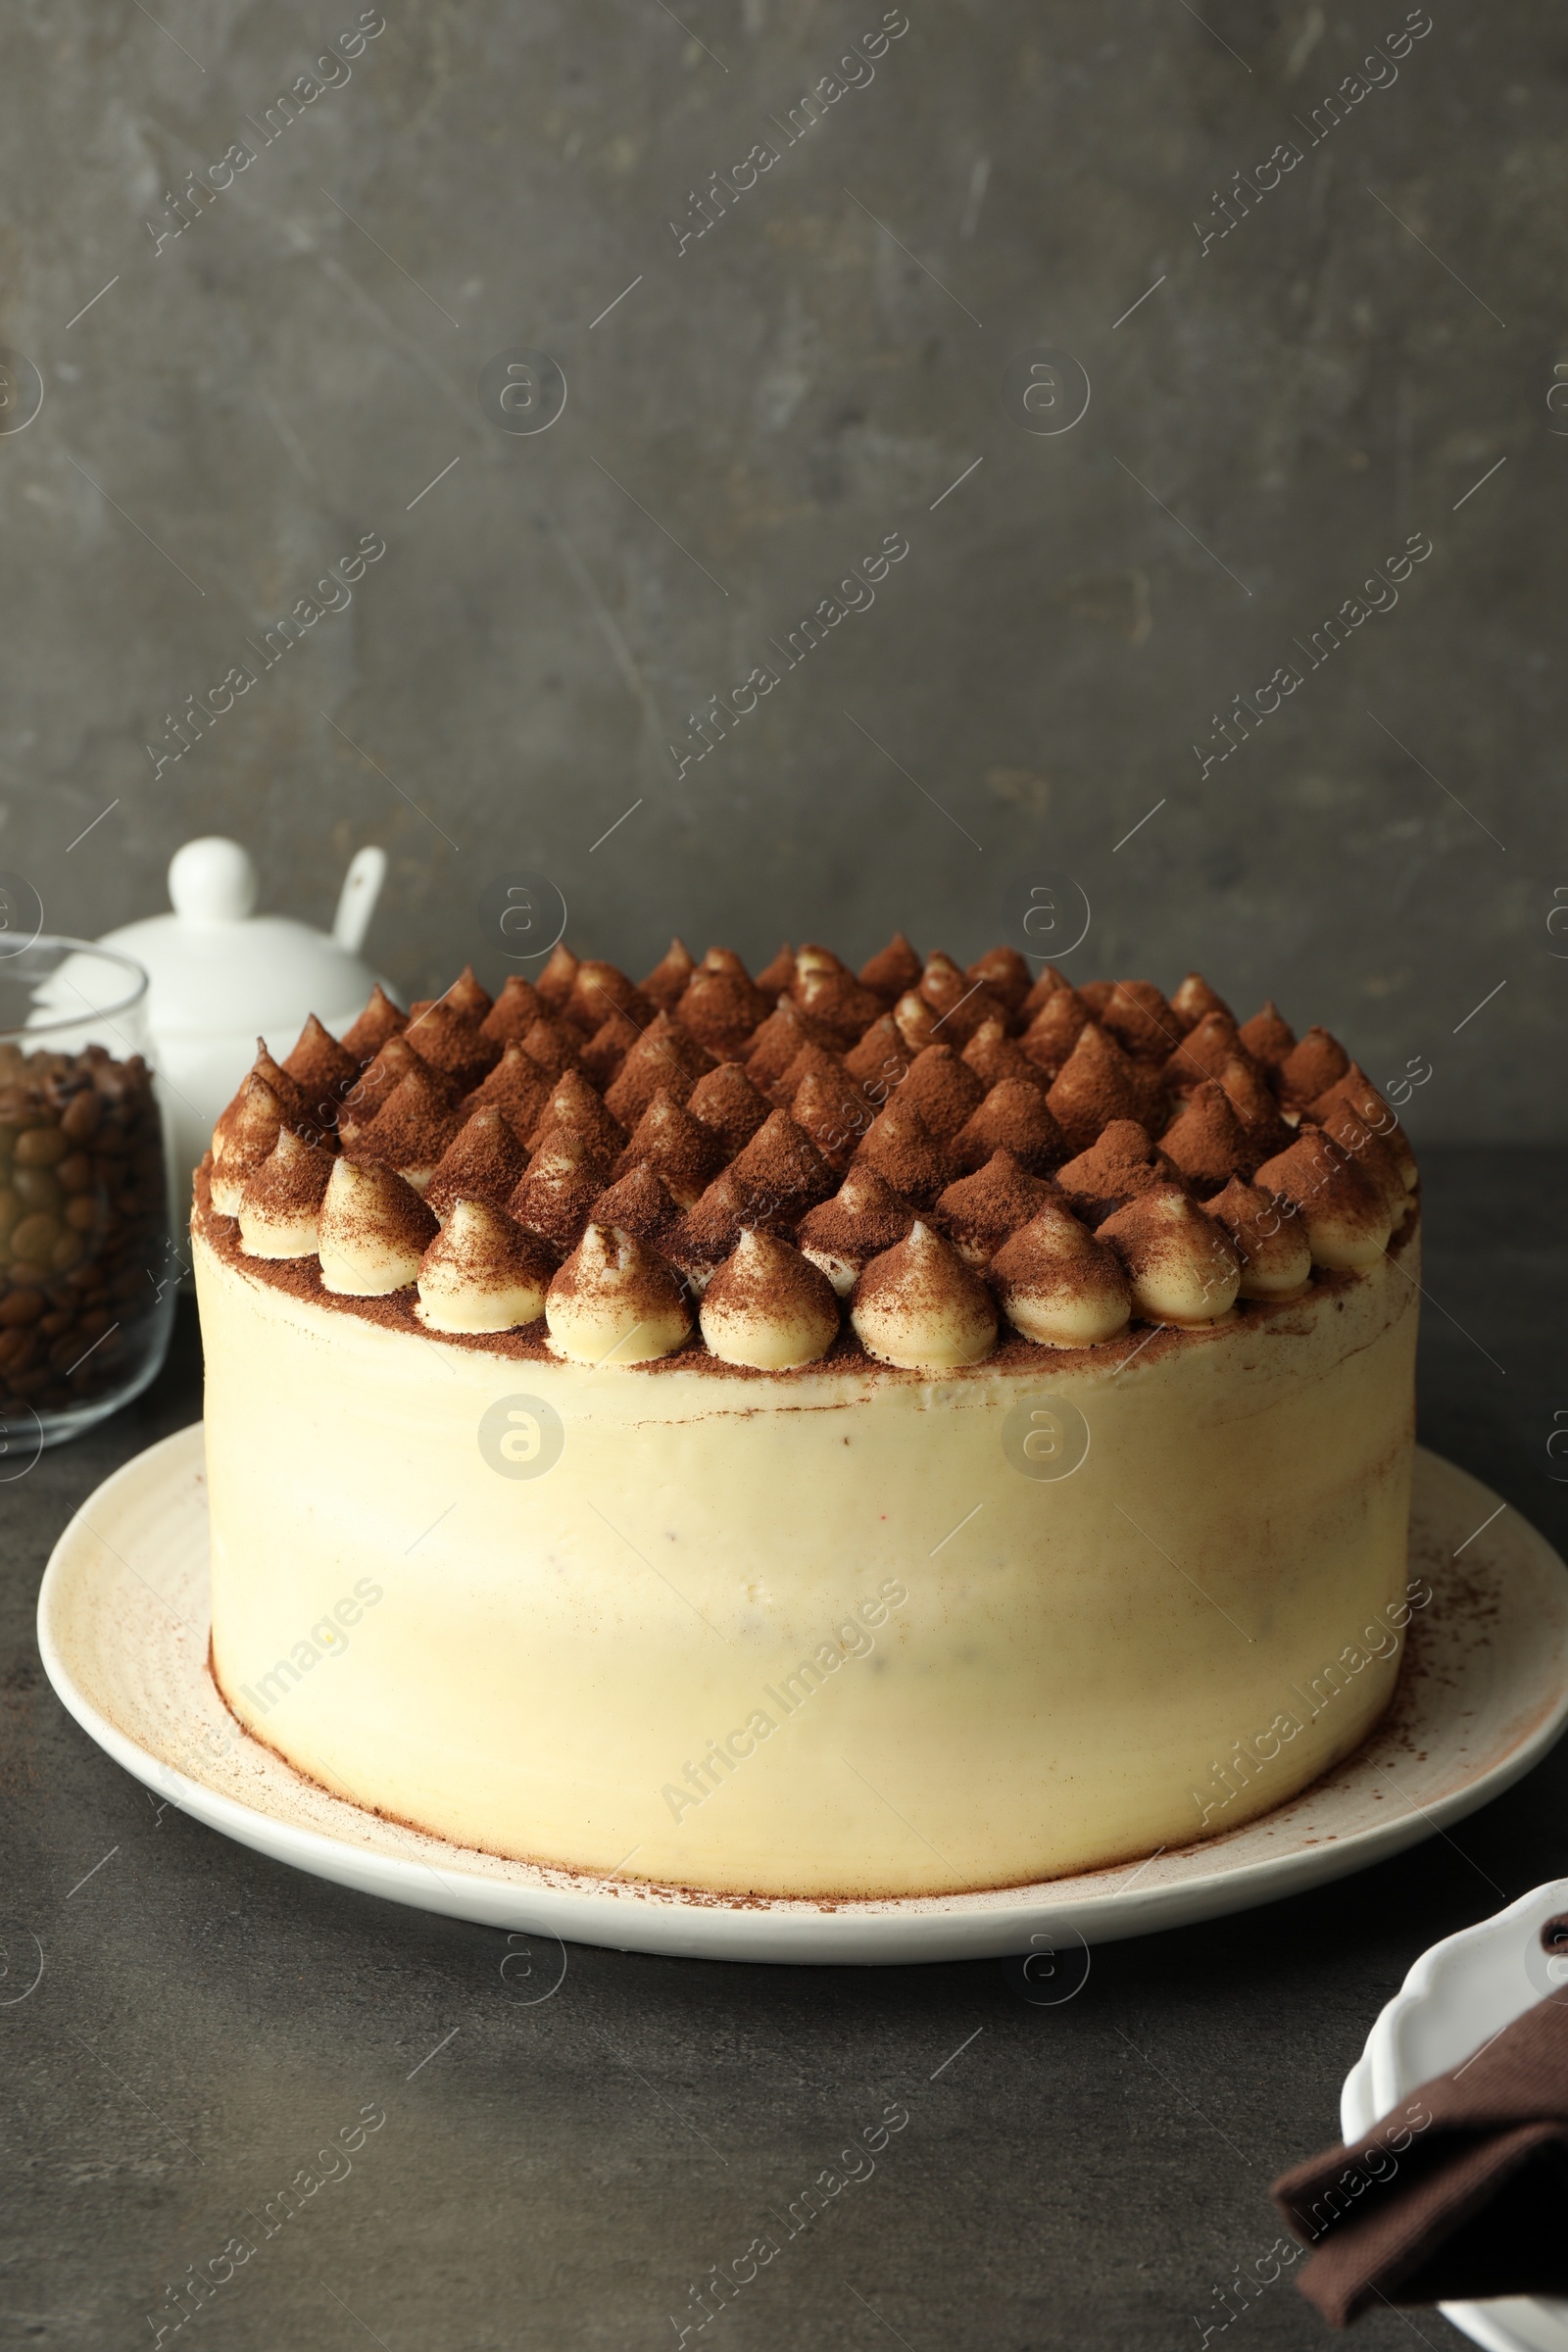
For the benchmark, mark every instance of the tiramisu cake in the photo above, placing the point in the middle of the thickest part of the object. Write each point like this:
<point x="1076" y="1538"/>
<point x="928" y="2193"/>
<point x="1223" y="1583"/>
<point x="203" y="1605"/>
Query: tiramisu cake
<point x="826" y="1433"/>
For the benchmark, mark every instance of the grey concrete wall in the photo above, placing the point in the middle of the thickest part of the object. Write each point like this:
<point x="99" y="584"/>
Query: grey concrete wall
<point x="1313" y="380"/>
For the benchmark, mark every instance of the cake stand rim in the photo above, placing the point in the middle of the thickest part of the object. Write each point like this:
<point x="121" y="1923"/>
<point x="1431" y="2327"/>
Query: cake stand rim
<point x="430" y="1873"/>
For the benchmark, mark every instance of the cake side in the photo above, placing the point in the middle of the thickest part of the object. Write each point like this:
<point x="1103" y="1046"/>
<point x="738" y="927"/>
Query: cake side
<point x="811" y="1635"/>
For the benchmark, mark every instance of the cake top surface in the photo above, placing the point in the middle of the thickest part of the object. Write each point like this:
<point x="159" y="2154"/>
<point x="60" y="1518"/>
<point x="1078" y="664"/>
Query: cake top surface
<point x="886" y="1129"/>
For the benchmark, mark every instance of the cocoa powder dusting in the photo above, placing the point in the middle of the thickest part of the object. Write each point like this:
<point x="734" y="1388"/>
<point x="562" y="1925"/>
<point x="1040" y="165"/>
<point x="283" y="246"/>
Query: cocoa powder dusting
<point x="1268" y="1037"/>
<point x="1193" y="998"/>
<point x="599" y="990"/>
<point x="773" y="1281"/>
<point x="665" y="984"/>
<point x="638" y="1203"/>
<point x="1014" y="1117"/>
<point x="944" y="1091"/>
<point x="778" y="1040"/>
<point x="452" y="1043"/>
<point x="666" y="1056"/>
<point x="834" y="1114"/>
<point x="781" y="1164"/>
<point x="1208" y="1142"/>
<point x="381" y="1077"/>
<point x="300" y="1278"/>
<point x="1005" y="973"/>
<point x="1055" y="1254"/>
<point x="812" y="1062"/>
<point x="1055" y="1029"/>
<point x="1095" y="1085"/>
<point x="575" y="1104"/>
<point x="837" y="1001"/>
<point x="685" y="1154"/>
<point x="559" y="977"/>
<point x="1118" y="1165"/>
<point x="901" y="1148"/>
<point x="553" y="1196"/>
<point x="554" y="1045"/>
<point x="484" y="1247"/>
<point x="721" y="1009"/>
<point x="984" y="1209"/>
<point x="1045" y="987"/>
<point x="922" y="1277"/>
<point x="975" y="1086"/>
<point x="485" y="1161"/>
<point x="865" y="1217"/>
<point x="607" y="1049"/>
<point x="379" y="1021"/>
<point x="1311" y="1068"/>
<point x="1141" y="1022"/>
<point x="774" y="978"/>
<point x="379" y="1206"/>
<point x="994" y="1056"/>
<point x="892" y="969"/>
<point x="321" y="1069"/>
<point x="513" y="1012"/>
<point x="727" y="1103"/>
<point x="518" y="1087"/>
<point x="880" y="1053"/>
<point x="292" y="1179"/>
<point x="413" y="1126"/>
<point x="1203" y="1053"/>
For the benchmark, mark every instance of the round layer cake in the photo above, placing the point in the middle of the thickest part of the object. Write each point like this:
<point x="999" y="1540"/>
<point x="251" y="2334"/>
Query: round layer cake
<point x="817" y="1434"/>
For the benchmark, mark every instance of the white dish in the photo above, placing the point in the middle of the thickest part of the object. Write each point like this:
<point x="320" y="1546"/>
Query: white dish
<point x="123" y="1627"/>
<point x="1456" y="1997"/>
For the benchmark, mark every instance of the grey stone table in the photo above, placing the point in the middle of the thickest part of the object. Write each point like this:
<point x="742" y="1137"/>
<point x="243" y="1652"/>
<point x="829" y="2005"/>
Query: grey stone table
<point x="563" y="2171"/>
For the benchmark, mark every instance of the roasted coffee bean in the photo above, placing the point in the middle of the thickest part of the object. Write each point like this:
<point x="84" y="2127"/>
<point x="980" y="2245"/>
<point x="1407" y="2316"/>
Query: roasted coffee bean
<point x="36" y="1188"/>
<point x="40" y="1148"/>
<point x="34" y="1238"/>
<point x="74" y="1174"/>
<point x="20" y="1306"/>
<point x="82" y="1115"/>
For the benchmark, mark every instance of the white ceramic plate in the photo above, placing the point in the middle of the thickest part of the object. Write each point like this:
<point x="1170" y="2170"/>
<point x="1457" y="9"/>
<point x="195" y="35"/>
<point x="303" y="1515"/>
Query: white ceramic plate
<point x="1456" y="1997"/>
<point x="123" y="1626"/>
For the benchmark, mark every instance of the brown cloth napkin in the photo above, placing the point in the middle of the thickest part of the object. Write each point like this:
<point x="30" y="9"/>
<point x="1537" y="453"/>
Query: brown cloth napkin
<point x="1461" y="2194"/>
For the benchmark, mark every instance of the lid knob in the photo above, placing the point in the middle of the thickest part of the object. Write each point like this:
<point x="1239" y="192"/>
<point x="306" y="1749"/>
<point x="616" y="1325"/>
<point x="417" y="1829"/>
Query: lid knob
<point x="212" y="881"/>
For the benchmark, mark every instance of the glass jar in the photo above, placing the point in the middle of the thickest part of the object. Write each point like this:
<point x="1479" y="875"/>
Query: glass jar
<point x="88" y="1264"/>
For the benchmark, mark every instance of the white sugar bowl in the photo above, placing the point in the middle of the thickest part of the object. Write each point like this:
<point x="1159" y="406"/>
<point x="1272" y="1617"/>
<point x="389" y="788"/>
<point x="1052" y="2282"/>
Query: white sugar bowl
<point x="223" y="975"/>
